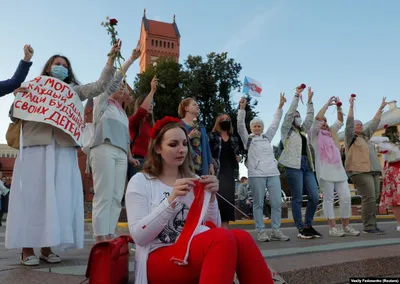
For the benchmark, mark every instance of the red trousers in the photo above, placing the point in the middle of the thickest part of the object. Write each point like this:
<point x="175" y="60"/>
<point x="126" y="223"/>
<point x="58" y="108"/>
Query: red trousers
<point x="214" y="257"/>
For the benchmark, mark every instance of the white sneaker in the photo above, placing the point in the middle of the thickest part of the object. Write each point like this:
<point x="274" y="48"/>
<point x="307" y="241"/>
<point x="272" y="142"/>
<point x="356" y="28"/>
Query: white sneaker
<point x="334" y="232"/>
<point x="277" y="235"/>
<point x="398" y="228"/>
<point x="262" y="236"/>
<point x="350" y="231"/>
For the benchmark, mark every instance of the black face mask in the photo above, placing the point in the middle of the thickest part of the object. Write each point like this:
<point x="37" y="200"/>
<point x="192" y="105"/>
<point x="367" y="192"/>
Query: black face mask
<point x="225" y="125"/>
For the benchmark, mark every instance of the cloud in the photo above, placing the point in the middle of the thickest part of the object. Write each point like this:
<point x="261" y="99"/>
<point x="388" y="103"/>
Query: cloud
<point x="251" y="30"/>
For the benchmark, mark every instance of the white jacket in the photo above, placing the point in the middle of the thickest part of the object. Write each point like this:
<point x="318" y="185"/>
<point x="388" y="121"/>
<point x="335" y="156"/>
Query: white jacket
<point x="261" y="158"/>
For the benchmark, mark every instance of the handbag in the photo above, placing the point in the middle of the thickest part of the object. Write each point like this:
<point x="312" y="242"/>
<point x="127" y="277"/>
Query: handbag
<point x="109" y="261"/>
<point x="13" y="134"/>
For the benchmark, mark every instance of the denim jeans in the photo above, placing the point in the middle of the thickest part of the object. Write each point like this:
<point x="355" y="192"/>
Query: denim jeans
<point x="300" y="180"/>
<point x="257" y="187"/>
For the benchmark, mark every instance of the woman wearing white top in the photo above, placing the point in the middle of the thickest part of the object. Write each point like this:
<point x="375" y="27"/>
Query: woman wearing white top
<point x="331" y="175"/>
<point x="158" y="200"/>
<point x="46" y="200"/>
<point x="109" y="154"/>
<point x="390" y="195"/>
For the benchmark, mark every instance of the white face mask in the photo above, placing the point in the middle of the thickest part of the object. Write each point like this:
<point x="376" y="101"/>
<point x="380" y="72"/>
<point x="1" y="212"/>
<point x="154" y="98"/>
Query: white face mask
<point x="297" y="121"/>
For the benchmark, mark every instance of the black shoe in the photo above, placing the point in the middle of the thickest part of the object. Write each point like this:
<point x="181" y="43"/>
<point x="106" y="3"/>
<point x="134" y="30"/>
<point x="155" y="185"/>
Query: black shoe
<point x="314" y="232"/>
<point x="305" y="234"/>
<point x="379" y="230"/>
<point x="373" y="232"/>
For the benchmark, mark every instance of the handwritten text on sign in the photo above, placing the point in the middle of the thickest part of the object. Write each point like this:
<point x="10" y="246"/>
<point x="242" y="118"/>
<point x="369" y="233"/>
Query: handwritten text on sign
<point x="51" y="101"/>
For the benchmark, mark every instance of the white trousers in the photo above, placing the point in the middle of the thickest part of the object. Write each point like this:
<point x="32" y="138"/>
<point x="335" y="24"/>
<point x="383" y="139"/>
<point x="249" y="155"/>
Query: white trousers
<point x="109" y="167"/>
<point x="343" y="191"/>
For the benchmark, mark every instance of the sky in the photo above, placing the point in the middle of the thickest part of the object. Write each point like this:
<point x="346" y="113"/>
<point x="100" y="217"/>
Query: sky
<point x="336" y="47"/>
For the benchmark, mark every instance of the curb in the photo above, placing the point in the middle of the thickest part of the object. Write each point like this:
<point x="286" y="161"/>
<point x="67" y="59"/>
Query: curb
<point x="268" y="221"/>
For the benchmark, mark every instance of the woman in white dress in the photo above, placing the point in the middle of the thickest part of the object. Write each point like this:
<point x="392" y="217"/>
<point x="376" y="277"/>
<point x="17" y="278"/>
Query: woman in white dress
<point x="46" y="199"/>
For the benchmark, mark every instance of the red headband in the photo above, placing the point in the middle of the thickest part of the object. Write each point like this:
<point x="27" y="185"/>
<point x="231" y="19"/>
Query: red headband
<point x="160" y="124"/>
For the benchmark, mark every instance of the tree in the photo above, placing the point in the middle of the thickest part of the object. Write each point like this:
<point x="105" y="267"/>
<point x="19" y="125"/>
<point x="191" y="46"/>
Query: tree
<point x="209" y="82"/>
<point x="167" y="99"/>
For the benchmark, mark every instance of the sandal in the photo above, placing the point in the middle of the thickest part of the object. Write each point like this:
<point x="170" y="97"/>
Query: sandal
<point x="31" y="260"/>
<point x="51" y="258"/>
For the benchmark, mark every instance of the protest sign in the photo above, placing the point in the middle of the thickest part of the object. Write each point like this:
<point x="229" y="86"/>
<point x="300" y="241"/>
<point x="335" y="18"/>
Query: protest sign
<point x="51" y="101"/>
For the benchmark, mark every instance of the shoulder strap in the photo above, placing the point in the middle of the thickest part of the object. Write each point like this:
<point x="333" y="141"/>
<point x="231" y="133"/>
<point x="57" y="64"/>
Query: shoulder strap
<point x="352" y="141"/>
<point x="248" y="143"/>
<point x="287" y="137"/>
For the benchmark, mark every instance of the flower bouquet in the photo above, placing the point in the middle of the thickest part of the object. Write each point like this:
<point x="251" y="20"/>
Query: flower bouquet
<point x="110" y="25"/>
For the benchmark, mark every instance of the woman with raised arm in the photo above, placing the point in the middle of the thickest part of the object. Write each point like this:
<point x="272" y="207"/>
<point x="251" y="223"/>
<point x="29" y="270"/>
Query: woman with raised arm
<point x="330" y="171"/>
<point x="46" y="200"/>
<point x="109" y="154"/>
<point x="160" y="203"/>
<point x="8" y="86"/>
<point x="263" y="170"/>
<point x="296" y="157"/>
<point x="390" y="195"/>
<point x="225" y="152"/>
<point x="140" y="124"/>
<point x="362" y="164"/>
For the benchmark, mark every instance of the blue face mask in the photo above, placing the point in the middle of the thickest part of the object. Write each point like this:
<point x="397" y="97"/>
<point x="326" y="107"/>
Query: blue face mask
<point x="59" y="71"/>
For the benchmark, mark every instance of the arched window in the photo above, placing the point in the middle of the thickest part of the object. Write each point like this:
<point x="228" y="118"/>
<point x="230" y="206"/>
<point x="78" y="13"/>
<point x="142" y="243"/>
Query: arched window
<point x="156" y="42"/>
<point x="152" y="42"/>
<point x="169" y="45"/>
<point x="165" y="44"/>
<point x="172" y="45"/>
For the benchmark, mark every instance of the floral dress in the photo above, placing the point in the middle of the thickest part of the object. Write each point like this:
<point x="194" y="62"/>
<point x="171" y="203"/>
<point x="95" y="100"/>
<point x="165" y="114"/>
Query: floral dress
<point x="390" y="195"/>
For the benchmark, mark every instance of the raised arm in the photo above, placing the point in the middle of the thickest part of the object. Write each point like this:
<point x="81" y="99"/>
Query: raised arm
<point x="273" y="128"/>
<point x="8" y="86"/>
<point x="116" y="81"/>
<point x="241" y="122"/>
<point x="310" y="112"/>
<point x="96" y="88"/>
<point x="289" y="116"/>
<point x="371" y="128"/>
<point x="349" y="130"/>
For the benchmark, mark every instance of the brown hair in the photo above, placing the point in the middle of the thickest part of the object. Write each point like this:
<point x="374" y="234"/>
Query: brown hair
<point x="154" y="165"/>
<point x="183" y="105"/>
<point x="217" y="127"/>
<point x="71" y="79"/>
<point x="391" y="132"/>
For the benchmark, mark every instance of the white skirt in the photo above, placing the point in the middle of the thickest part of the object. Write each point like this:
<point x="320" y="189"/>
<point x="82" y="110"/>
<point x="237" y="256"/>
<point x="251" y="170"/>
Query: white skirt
<point x="46" y="199"/>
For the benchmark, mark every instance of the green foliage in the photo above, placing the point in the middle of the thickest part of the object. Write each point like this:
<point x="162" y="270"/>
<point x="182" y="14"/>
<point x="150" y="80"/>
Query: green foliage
<point x="209" y="81"/>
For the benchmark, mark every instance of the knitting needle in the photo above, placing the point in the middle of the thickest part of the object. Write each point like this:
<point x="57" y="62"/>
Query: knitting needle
<point x="232" y="205"/>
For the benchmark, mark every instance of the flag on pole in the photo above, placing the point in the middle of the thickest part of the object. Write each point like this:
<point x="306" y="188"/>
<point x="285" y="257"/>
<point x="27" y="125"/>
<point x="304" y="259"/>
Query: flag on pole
<point x="252" y="87"/>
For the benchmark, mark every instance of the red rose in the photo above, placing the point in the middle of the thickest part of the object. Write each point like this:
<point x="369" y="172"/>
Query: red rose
<point x="353" y="95"/>
<point x="113" y="22"/>
<point x="386" y="126"/>
<point x="339" y="104"/>
<point x="303" y="86"/>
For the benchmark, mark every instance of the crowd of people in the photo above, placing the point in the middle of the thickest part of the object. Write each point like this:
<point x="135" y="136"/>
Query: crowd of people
<point x="161" y="164"/>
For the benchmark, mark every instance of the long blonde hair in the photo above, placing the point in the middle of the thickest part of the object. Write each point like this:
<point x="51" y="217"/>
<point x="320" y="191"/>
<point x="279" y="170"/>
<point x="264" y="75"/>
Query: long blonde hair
<point x="217" y="127"/>
<point x="154" y="163"/>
